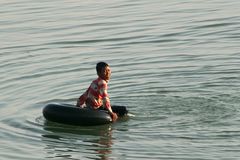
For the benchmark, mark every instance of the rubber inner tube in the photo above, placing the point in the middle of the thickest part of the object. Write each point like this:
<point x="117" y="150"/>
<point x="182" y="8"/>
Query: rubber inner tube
<point x="70" y="114"/>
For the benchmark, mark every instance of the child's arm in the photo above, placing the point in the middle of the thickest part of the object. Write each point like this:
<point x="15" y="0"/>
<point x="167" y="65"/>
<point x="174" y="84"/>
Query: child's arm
<point x="106" y="102"/>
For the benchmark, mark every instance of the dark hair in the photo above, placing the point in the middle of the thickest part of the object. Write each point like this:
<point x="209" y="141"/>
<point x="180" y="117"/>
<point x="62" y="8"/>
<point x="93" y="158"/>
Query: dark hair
<point x="100" y="66"/>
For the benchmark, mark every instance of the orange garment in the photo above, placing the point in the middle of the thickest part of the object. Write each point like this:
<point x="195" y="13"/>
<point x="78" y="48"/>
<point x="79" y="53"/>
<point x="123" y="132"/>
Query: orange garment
<point x="96" y="95"/>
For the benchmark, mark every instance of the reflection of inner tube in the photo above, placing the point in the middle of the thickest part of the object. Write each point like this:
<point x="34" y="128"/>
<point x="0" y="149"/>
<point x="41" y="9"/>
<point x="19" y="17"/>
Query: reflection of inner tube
<point x="70" y="114"/>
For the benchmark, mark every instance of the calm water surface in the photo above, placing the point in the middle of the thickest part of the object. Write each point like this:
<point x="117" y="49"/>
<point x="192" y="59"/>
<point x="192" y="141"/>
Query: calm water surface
<point x="175" y="66"/>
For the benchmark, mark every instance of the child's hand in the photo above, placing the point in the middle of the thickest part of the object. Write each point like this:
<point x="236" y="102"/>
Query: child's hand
<point x="114" y="116"/>
<point x="82" y="106"/>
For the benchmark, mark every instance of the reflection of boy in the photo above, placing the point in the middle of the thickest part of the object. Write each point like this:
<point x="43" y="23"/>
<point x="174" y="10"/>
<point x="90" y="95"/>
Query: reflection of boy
<point x="96" y="95"/>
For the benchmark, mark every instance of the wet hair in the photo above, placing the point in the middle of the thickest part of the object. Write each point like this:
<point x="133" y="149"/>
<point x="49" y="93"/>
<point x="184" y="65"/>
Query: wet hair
<point x="100" y="66"/>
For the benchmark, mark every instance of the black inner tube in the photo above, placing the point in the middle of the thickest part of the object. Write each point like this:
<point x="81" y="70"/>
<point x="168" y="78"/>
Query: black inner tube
<point x="70" y="114"/>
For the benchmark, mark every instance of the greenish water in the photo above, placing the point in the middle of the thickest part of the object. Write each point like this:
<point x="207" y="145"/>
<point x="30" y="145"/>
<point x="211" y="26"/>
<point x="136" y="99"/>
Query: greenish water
<point x="175" y="65"/>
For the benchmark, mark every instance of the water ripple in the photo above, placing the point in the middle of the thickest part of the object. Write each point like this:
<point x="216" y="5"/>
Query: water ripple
<point x="175" y="65"/>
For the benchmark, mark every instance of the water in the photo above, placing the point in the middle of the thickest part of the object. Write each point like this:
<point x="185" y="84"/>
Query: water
<point x="175" y="65"/>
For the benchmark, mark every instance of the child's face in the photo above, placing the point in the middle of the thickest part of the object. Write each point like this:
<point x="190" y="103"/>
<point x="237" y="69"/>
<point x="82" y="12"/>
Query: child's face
<point x="106" y="73"/>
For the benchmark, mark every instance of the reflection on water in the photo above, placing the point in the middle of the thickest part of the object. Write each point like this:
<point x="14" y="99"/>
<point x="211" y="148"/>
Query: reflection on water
<point x="65" y="141"/>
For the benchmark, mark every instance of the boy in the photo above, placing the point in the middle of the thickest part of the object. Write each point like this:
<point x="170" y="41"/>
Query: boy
<point x="96" y="96"/>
